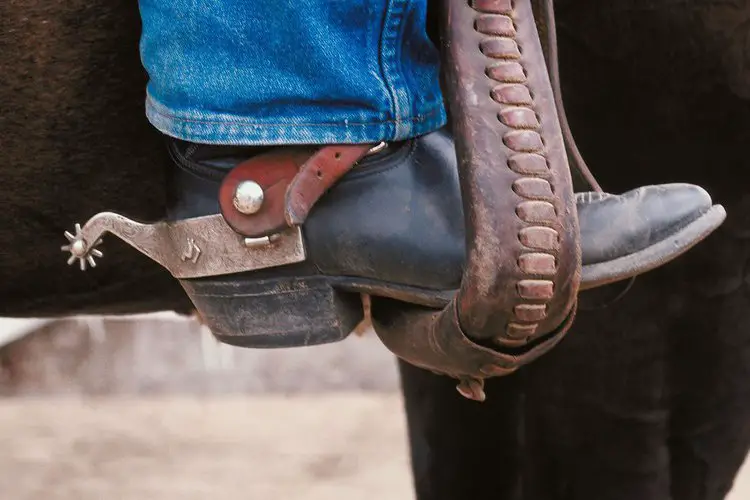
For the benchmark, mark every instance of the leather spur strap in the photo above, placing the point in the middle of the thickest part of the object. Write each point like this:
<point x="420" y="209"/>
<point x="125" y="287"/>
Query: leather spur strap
<point x="518" y="294"/>
<point x="291" y="181"/>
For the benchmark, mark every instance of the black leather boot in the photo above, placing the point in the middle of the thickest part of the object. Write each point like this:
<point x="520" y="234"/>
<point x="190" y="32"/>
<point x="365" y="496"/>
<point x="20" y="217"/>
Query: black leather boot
<point x="393" y="227"/>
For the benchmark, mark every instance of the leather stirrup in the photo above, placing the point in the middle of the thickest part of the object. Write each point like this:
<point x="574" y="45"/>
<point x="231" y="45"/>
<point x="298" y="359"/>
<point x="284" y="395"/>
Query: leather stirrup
<point x="519" y="290"/>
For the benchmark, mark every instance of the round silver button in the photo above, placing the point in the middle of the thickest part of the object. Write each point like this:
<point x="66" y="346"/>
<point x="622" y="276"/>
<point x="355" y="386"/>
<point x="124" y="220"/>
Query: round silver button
<point x="248" y="197"/>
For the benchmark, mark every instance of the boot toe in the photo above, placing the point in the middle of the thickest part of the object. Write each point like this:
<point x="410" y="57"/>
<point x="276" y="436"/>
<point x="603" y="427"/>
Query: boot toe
<point x="613" y="226"/>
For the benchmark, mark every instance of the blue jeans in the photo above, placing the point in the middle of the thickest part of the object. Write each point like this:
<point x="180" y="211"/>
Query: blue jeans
<point x="252" y="72"/>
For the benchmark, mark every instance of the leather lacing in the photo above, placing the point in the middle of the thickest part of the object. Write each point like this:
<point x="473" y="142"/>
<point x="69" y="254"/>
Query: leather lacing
<point x="496" y="19"/>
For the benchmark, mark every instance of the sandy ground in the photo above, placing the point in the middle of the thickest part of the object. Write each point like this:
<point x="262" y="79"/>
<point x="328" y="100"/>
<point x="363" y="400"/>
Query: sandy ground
<point x="324" y="447"/>
<point x="94" y="414"/>
<point x="161" y="356"/>
<point x="311" y="448"/>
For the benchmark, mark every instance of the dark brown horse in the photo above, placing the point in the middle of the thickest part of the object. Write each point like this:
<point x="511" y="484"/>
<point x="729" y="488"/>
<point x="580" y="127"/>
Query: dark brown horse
<point x="645" y="399"/>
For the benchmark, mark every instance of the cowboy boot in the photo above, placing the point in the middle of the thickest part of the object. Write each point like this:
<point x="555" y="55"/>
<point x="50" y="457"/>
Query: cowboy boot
<point x="393" y="226"/>
<point x="275" y="245"/>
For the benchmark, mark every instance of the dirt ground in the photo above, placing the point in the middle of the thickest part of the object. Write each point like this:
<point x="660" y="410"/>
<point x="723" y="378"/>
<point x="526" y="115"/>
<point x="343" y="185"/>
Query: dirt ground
<point x="153" y="410"/>
<point x="312" y="448"/>
<point x="323" y="447"/>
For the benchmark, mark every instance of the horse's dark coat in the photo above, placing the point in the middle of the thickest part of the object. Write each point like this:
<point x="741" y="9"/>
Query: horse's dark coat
<point x="650" y="398"/>
<point x="74" y="141"/>
<point x="647" y="399"/>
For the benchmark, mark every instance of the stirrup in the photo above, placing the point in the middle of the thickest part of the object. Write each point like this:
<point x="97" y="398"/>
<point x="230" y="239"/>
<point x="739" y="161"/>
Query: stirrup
<point x="518" y="295"/>
<point x="524" y="263"/>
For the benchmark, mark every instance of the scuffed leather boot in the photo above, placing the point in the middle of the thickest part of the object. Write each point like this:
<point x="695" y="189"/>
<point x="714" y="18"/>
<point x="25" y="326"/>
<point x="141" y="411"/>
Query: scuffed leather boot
<point x="629" y="234"/>
<point x="275" y="246"/>
<point x="394" y="227"/>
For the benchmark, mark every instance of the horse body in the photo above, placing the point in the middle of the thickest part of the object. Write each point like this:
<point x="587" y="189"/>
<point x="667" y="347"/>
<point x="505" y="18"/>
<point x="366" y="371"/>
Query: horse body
<point x="645" y="399"/>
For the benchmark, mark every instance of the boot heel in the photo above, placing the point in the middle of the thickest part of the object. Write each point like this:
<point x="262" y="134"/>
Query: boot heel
<point x="274" y="313"/>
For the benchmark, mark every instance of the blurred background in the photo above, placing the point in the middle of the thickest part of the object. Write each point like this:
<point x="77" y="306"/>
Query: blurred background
<point x="153" y="407"/>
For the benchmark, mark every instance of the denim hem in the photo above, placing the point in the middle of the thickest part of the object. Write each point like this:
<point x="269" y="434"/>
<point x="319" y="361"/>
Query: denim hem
<point x="227" y="129"/>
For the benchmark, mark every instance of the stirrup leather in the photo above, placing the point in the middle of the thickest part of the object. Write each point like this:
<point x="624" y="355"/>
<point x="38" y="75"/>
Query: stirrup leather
<point x="518" y="295"/>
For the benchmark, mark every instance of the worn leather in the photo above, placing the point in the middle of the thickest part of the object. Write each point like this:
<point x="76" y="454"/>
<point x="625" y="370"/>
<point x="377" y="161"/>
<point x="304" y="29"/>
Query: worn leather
<point x="435" y="340"/>
<point x="292" y="179"/>
<point x="510" y="154"/>
<point x="397" y="216"/>
<point x="624" y="224"/>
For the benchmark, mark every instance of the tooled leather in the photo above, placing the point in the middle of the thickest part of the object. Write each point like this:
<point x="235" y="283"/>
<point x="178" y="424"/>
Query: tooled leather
<point x="521" y="282"/>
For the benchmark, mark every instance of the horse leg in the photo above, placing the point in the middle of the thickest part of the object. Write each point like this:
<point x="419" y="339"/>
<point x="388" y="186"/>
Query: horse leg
<point x="461" y="449"/>
<point x="647" y="398"/>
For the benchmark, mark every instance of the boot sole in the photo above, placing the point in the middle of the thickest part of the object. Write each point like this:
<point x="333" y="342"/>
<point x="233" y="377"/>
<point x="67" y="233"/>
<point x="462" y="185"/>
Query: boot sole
<point x="315" y="310"/>
<point x="291" y="312"/>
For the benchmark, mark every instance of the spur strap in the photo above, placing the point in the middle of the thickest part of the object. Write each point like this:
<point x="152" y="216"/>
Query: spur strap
<point x="282" y="186"/>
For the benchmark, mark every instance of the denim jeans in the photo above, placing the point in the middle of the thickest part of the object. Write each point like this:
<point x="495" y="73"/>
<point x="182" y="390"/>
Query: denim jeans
<point x="253" y="72"/>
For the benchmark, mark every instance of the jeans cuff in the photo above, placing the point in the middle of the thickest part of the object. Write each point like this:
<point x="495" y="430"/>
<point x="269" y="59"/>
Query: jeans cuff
<point x="227" y="129"/>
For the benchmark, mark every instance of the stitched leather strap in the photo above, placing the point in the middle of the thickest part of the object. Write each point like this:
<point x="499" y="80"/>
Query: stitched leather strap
<point x="522" y="239"/>
<point x="519" y="290"/>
